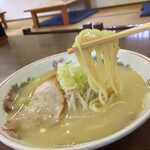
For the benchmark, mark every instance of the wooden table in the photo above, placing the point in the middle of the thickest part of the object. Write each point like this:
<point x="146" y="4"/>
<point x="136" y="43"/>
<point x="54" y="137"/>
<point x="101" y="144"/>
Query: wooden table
<point x="22" y="50"/>
<point x="3" y="19"/>
<point x="62" y="7"/>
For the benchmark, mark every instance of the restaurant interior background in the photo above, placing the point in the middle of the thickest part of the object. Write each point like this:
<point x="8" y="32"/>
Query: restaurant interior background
<point x="18" y="47"/>
<point x="110" y="12"/>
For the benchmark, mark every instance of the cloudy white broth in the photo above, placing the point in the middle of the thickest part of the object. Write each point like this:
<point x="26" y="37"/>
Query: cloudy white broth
<point x="79" y="101"/>
<point x="80" y="126"/>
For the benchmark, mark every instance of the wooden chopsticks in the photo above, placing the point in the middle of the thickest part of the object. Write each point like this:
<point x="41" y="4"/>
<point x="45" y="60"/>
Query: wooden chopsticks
<point x="112" y="37"/>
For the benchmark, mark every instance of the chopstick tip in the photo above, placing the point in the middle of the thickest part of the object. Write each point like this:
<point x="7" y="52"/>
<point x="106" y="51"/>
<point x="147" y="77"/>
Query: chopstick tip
<point x="70" y="50"/>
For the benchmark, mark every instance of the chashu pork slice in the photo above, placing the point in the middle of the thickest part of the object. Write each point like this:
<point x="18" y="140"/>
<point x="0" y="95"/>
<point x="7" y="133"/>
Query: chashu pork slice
<point x="45" y="106"/>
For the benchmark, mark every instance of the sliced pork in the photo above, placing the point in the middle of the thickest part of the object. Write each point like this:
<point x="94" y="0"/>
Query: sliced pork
<point x="45" y="106"/>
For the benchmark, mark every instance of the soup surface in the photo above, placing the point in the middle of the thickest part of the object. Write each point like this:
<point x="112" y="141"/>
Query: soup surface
<point x="80" y="126"/>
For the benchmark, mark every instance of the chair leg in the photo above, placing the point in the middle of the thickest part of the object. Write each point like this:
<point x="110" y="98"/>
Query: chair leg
<point x="2" y="32"/>
<point x="4" y="21"/>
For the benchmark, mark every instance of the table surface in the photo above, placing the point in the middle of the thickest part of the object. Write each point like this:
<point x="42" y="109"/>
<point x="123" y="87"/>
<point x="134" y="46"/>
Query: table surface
<point x="16" y="52"/>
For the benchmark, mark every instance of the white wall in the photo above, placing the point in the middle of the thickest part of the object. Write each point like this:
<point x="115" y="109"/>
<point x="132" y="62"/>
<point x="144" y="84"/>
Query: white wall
<point x="15" y="8"/>
<point x="105" y="3"/>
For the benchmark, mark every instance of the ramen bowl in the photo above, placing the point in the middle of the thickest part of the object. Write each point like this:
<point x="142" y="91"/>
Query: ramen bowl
<point x="138" y="62"/>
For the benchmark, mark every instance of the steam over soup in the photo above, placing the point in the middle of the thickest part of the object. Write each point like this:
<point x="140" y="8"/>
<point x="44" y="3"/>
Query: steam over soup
<point x="78" y="102"/>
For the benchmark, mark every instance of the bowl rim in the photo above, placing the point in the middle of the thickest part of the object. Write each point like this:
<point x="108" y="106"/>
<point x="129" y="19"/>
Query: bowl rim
<point x="87" y="145"/>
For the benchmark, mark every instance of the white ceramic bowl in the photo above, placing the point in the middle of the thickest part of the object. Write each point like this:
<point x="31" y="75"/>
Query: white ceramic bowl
<point x="137" y="61"/>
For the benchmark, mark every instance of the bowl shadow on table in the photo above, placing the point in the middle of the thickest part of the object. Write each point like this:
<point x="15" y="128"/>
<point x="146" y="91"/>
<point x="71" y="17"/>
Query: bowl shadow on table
<point x="133" y="141"/>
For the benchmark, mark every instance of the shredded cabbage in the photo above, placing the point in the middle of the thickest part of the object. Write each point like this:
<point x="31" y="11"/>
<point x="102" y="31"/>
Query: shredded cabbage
<point x="71" y="76"/>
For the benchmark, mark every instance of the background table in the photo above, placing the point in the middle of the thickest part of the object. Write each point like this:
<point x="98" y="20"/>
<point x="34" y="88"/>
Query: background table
<point x="62" y="6"/>
<point x="16" y="52"/>
<point x="2" y="16"/>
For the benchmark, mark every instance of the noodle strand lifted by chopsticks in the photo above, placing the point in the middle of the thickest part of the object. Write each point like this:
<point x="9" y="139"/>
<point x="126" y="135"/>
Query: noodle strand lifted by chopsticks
<point x="102" y="73"/>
